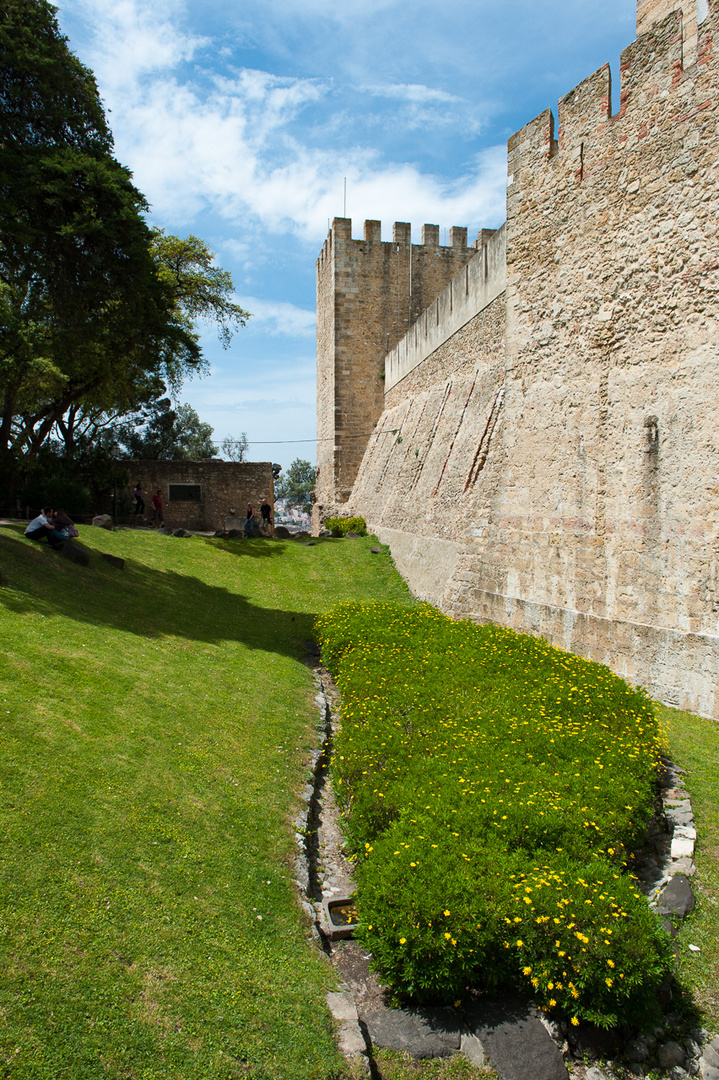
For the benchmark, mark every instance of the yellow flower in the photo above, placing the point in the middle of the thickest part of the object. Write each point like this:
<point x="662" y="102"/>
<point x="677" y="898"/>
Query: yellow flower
<point x="519" y="943"/>
<point x="608" y="982"/>
<point x="448" y="912"/>
<point x="575" y="1021"/>
<point x="526" y="971"/>
<point x="447" y="937"/>
<point x="402" y="940"/>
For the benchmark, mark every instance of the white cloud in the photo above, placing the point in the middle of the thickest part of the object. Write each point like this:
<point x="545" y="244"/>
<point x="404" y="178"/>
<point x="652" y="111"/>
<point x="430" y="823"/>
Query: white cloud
<point x="233" y="143"/>
<point x="277" y="317"/>
<point x="414" y="92"/>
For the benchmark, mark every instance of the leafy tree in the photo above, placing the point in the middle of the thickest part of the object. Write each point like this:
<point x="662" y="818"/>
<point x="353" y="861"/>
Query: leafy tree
<point x="169" y="434"/>
<point x="200" y="289"/>
<point x="235" y="449"/>
<point x="297" y="484"/>
<point x="96" y="309"/>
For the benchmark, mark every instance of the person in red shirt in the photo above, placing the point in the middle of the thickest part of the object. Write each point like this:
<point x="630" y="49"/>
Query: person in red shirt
<point x="157" y="512"/>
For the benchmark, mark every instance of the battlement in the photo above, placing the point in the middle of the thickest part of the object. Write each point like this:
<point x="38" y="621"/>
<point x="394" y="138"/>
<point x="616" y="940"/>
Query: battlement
<point x="481" y="281"/>
<point x="674" y="37"/>
<point x="341" y="233"/>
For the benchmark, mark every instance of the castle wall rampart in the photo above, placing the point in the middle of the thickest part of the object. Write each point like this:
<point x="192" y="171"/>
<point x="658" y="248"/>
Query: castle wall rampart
<point x="556" y="455"/>
<point x="369" y="292"/>
<point x="481" y="281"/>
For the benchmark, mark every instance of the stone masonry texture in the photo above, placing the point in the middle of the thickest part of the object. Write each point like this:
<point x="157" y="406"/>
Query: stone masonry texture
<point x="368" y="294"/>
<point x="553" y="466"/>
<point x="226" y="486"/>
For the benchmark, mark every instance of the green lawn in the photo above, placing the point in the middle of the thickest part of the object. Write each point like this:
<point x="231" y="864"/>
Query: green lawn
<point x="157" y="725"/>
<point x="694" y="745"/>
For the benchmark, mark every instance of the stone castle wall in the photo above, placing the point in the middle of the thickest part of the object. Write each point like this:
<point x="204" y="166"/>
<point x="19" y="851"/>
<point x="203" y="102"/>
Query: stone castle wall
<point x="553" y="464"/>
<point x="368" y="293"/>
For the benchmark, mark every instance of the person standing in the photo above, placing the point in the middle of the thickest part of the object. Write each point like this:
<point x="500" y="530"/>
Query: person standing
<point x="266" y="514"/>
<point x="249" y="520"/>
<point x="139" y="501"/>
<point x="157" y="511"/>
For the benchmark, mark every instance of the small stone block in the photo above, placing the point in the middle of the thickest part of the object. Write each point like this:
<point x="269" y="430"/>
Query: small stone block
<point x="113" y="560"/>
<point x="595" y="1074"/>
<point x="342" y="1006"/>
<point x="708" y="1072"/>
<point x="473" y="1050"/>
<point x="711" y="1056"/>
<point x="75" y="553"/>
<point x="350" y="1039"/>
<point x="685" y="832"/>
<point x="376" y="551"/>
<point x="682" y="849"/>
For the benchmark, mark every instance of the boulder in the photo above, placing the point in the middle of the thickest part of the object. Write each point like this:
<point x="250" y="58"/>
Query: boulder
<point x="281" y="533"/>
<point x="220" y="532"/>
<point x="113" y="560"/>
<point x="353" y="535"/>
<point x="75" y="553"/>
<point x="182" y="533"/>
<point x="233" y="534"/>
<point x="376" y="551"/>
<point x="103" y="521"/>
<point x="671" y="1054"/>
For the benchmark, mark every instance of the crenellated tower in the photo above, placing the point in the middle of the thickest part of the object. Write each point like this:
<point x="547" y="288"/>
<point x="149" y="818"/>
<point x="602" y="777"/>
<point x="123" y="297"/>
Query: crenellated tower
<point x="694" y="12"/>
<point x="369" y="292"/>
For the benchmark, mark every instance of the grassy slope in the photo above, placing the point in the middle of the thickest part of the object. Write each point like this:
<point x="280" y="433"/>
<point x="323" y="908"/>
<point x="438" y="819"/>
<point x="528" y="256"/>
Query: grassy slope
<point x="156" y="726"/>
<point x="694" y="744"/>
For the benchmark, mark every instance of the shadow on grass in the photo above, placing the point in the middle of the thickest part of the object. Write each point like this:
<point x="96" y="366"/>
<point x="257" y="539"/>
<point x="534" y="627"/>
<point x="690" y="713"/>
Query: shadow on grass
<point x="146" y="601"/>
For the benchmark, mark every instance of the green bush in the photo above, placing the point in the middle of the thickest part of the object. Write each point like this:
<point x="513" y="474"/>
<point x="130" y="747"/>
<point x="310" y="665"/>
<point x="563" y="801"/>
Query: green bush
<point x="493" y="789"/>
<point x="340" y="526"/>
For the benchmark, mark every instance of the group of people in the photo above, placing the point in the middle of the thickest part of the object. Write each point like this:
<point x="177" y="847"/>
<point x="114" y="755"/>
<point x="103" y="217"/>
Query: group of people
<point x="158" y="513"/>
<point x="52" y="525"/>
<point x="265" y="516"/>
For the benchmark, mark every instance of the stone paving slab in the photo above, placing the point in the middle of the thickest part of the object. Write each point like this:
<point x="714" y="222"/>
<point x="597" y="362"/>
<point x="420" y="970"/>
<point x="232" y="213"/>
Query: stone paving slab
<point x="425" y="1033"/>
<point x="516" y="1041"/>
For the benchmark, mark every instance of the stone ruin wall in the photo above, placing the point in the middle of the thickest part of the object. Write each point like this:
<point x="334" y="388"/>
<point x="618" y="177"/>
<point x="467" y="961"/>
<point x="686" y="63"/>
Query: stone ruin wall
<point x="552" y="466"/>
<point x="226" y="485"/>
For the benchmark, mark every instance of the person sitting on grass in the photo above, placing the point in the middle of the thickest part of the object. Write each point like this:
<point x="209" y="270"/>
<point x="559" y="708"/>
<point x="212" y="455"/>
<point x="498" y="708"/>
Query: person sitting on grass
<point x="41" y="527"/>
<point x="64" y="525"/>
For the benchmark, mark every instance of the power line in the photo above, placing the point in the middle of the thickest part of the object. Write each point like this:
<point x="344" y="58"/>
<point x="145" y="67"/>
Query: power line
<point x="325" y="438"/>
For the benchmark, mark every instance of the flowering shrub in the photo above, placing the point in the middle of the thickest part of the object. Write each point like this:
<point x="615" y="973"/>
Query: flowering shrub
<point x="340" y="526"/>
<point x="494" y="788"/>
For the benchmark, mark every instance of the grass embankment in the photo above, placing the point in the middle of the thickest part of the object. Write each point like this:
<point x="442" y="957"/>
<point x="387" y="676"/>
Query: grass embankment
<point x="694" y="744"/>
<point x="156" y="723"/>
<point x="494" y="788"/>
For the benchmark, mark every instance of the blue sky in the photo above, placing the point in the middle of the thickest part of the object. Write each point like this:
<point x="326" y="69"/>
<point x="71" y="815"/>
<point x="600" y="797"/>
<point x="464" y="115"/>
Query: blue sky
<point x="240" y="121"/>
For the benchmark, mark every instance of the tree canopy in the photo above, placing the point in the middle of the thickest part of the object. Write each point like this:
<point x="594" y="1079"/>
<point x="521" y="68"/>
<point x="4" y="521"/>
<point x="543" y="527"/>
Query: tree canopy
<point x="297" y="484"/>
<point x="96" y="309"/>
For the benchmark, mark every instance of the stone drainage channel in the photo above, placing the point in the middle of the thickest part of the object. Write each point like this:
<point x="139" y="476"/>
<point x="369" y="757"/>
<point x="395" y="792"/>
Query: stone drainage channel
<point x="509" y="1034"/>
